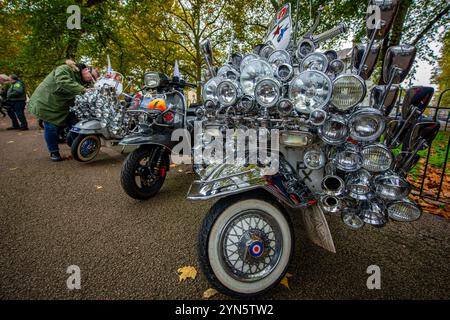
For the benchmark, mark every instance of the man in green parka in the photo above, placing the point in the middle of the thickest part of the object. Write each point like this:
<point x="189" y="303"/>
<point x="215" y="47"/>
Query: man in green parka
<point x="53" y="98"/>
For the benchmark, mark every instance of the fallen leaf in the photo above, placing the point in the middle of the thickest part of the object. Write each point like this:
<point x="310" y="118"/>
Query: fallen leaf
<point x="10" y="142"/>
<point x="209" y="293"/>
<point x="99" y="187"/>
<point x="12" y="169"/>
<point x="187" y="272"/>
<point x="285" y="281"/>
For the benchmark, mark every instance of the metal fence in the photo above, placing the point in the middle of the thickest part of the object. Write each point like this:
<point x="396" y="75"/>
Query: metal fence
<point x="437" y="194"/>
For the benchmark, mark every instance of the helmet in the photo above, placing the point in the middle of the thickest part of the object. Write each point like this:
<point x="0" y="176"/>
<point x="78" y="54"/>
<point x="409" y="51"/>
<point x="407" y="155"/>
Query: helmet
<point x="155" y="104"/>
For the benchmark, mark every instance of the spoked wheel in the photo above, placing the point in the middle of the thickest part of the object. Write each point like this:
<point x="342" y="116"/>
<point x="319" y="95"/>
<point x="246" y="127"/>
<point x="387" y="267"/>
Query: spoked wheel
<point x="245" y="245"/>
<point x="85" y="147"/>
<point x="144" y="172"/>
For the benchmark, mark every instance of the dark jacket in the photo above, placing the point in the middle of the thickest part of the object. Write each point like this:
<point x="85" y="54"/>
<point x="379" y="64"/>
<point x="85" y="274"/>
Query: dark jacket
<point x="16" y="92"/>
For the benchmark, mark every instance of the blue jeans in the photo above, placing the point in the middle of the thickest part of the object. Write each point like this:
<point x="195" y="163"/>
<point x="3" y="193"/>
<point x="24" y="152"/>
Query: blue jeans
<point x="17" y="110"/>
<point x="51" y="136"/>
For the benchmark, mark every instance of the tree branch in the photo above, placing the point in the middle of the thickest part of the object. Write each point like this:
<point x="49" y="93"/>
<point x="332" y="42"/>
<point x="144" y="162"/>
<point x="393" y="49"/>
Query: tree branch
<point x="430" y="25"/>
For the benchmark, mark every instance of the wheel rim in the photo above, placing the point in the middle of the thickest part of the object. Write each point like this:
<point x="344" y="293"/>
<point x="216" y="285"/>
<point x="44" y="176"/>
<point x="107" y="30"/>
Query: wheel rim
<point x="88" y="147"/>
<point x="250" y="246"/>
<point x="145" y="177"/>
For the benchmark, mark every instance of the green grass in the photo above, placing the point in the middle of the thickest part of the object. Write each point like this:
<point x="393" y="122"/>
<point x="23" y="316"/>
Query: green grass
<point x="437" y="155"/>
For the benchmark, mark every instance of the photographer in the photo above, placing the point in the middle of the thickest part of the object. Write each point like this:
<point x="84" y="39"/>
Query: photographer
<point x="53" y="98"/>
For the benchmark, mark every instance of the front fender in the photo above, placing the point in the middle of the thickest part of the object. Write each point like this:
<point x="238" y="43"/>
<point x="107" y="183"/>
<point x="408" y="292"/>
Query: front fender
<point x="163" y="140"/>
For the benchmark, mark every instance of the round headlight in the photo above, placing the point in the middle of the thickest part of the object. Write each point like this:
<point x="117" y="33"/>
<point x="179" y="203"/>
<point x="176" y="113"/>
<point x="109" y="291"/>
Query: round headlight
<point x="404" y="211"/>
<point x="228" y="72"/>
<point x="348" y="159"/>
<point x="210" y="106"/>
<point x="304" y="48"/>
<point x="366" y="124"/>
<point x="285" y="107"/>
<point x="351" y="219"/>
<point x="284" y="72"/>
<point x="247" y="103"/>
<point x="372" y="212"/>
<point x="228" y="92"/>
<point x="310" y="90"/>
<point x="247" y="59"/>
<point x="278" y="58"/>
<point x="336" y="67"/>
<point x="266" y="51"/>
<point x="252" y="73"/>
<point x="314" y="61"/>
<point x="334" y="131"/>
<point x="318" y="117"/>
<point x="210" y="89"/>
<point x="358" y="184"/>
<point x="391" y="187"/>
<point x="331" y="55"/>
<point x="348" y="91"/>
<point x="314" y="159"/>
<point x="267" y="92"/>
<point x="376" y="158"/>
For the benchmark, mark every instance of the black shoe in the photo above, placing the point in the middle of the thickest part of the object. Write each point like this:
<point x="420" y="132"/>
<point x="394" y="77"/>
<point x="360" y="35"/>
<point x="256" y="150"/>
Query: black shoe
<point x="55" y="156"/>
<point x="12" y="128"/>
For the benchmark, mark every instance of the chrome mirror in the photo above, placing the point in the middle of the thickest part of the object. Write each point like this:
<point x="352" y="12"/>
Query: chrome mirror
<point x="377" y="95"/>
<point x="422" y="135"/>
<point x="380" y="17"/>
<point x="419" y="97"/>
<point x="371" y="59"/>
<point x="397" y="63"/>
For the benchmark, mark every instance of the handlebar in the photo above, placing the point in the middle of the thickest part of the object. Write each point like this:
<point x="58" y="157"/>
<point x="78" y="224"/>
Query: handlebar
<point x="341" y="28"/>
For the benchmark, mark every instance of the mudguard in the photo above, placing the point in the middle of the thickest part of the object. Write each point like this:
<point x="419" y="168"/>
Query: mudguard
<point x="164" y="140"/>
<point x="87" y="127"/>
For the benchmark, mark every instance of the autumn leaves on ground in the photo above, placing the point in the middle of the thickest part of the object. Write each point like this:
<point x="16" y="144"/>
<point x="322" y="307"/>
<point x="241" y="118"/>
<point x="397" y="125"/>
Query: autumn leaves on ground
<point x="433" y="177"/>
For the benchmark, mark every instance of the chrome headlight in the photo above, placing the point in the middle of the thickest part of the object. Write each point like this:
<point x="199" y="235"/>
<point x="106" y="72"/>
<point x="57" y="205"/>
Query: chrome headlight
<point x="318" y="117"/>
<point x="358" y="184"/>
<point x="351" y="219"/>
<point x="228" y="92"/>
<point x="336" y="67"/>
<point x="152" y="79"/>
<point x="366" y="124"/>
<point x="391" y="187"/>
<point x="348" y="91"/>
<point x="305" y="47"/>
<point x="314" y="61"/>
<point x="334" y="131"/>
<point x="404" y="211"/>
<point x="285" y="107"/>
<point x="228" y="72"/>
<point x="252" y="73"/>
<point x="348" y="159"/>
<point x="310" y="90"/>
<point x="247" y="103"/>
<point x="295" y="139"/>
<point x="376" y="158"/>
<point x="372" y="212"/>
<point x="210" y="89"/>
<point x="247" y="59"/>
<point x="278" y="58"/>
<point x="267" y="92"/>
<point x="314" y="159"/>
<point x="284" y="72"/>
<point x="266" y="51"/>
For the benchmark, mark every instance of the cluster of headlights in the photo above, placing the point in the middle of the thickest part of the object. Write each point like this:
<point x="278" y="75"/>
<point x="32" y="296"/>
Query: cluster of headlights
<point x="363" y="185"/>
<point x="98" y="105"/>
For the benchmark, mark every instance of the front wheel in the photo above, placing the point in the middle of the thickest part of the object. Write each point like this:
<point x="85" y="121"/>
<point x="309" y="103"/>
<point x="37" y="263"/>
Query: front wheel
<point x="85" y="147"/>
<point x="245" y="245"/>
<point x="144" y="172"/>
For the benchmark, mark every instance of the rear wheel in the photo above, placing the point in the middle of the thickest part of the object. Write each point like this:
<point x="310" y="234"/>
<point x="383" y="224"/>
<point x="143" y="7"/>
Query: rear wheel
<point x="144" y="172"/>
<point x="85" y="147"/>
<point x="245" y="245"/>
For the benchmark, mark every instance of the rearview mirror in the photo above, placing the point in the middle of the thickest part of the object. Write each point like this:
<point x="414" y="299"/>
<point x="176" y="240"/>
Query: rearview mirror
<point x="425" y="131"/>
<point x="377" y="95"/>
<point x="398" y="63"/>
<point x="371" y="59"/>
<point x="392" y="128"/>
<point x="419" y="97"/>
<point x="380" y="17"/>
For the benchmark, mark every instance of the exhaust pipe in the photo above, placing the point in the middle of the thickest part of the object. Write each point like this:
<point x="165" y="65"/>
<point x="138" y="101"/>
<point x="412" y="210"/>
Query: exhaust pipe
<point x="333" y="186"/>
<point x="330" y="204"/>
